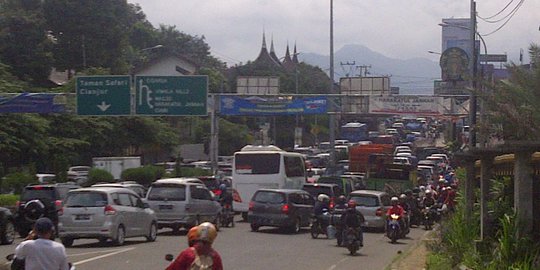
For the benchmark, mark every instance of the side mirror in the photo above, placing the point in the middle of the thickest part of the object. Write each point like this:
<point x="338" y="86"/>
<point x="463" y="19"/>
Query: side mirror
<point x="169" y="257"/>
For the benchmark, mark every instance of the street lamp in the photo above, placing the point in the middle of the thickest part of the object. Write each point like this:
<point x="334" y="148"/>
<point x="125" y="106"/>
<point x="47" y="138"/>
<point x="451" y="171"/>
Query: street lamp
<point x="332" y="120"/>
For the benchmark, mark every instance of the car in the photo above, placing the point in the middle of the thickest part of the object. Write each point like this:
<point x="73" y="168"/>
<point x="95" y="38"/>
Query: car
<point x="401" y="160"/>
<point x="43" y="200"/>
<point x="332" y="190"/>
<point x="78" y="174"/>
<point x="346" y="184"/>
<point x="7" y="226"/>
<point x="132" y="185"/>
<point x="290" y="209"/>
<point x="373" y="205"/>
<point x="44" y="178"/>
<point x="401" y="148"/>
<point x="181" y="202"/>
<point x="105" y="213"/>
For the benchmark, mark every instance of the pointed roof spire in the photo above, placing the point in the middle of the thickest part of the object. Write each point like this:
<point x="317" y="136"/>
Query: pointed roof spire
<point x="264" y="57"/>
<point x="287" y="61"/>
<point x="273" y="52"/>
<point x="264" y="41"/>
<point x="295" y="55"/>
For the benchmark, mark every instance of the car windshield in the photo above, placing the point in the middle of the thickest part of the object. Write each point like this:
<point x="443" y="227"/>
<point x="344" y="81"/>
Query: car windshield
<point x="365" y="200"/>
<point x="38" y="193"/>
<point x="167" y="192"/>
<point x="86" y="199"/>
<point x="269" y="197"/>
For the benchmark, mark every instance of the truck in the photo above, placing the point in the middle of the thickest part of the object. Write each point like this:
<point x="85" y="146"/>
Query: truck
<point x="376" y="161"/>
<point x="116" y="165"/>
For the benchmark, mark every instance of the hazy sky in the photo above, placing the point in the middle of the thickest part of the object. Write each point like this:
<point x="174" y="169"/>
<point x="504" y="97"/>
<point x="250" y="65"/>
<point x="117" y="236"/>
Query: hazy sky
<point x="396" y="28"/>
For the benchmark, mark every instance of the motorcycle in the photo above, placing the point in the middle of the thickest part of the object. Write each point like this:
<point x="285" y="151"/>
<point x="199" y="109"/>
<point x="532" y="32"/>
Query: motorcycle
<point x="393" y="230"/>
<point x="428" y="219"/>
<point x="227" y="217"/>
<point x="317" y="227"/>
<point x="18" y="264"/>
<point x="352" y="240"/>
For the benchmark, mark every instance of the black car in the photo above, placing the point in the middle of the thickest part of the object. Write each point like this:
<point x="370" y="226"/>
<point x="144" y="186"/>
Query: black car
<point x="40" y="201"/>
<point x="7" y="227"/>
<point x="285" y="208"/>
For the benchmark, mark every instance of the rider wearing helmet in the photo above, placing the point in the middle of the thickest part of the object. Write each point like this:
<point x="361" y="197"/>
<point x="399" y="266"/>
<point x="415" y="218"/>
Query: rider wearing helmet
<point x="199" y="254"/>
<point x="225" y="197"/>
<point x="341" y="203"/>
<point x="396" y="208"/>
<point x="428" y="201"/>
<point x="353" y="218"/>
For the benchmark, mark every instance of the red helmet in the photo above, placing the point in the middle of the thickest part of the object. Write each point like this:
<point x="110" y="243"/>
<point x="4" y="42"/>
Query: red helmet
<point x="351" y="204"/>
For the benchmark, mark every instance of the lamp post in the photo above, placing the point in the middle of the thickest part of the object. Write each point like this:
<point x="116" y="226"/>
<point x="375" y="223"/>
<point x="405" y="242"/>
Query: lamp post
<point x="332" y="119"/>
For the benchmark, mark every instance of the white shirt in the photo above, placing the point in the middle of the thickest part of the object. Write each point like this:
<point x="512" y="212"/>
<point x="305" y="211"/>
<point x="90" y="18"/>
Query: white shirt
<point x="42" y="254"/>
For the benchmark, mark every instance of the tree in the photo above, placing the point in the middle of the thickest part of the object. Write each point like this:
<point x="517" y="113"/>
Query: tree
<point x="24" y="44"/>
<point x="513" y="103"/>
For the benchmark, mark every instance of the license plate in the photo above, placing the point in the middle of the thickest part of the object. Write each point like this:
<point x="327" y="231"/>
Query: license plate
<point x="165" y="207"/>
<point x="82" y="217"/>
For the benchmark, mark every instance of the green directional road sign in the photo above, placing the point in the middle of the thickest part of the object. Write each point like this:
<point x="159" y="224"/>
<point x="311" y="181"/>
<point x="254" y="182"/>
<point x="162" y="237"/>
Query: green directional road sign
<point x="104" y="95"/>
<point x="171" y="95"/>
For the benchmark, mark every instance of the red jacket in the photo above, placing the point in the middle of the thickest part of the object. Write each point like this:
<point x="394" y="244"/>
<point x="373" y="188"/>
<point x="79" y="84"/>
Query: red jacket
<point x="397" y="209"/>
<point x="188" y="256"/>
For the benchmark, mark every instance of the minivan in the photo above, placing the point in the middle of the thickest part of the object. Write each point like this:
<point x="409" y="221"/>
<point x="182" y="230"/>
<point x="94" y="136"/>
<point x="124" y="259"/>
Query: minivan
<point x="285" y="208"/>
<point x="373" y="206"/>
<point x="182" y="203"/>
<point x="105" y="213"/>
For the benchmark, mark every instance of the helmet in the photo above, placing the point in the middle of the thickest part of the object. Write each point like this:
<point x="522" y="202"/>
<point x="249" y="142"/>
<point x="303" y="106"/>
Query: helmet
<point x="428" y="192"/>
<point x="323" y="197"/>
<point x="222" y="187"/>
<point x="394" y="200"/>
<point x="342" y="199"/>
<point x="351" y="204"/>
<point x="403" y="196"/>
<point x="408" y="192"/>
<point x="205" y="232"/>
<point x="422" y="188"/>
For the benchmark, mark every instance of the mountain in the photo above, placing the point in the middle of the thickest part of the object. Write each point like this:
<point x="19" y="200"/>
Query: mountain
<point x="413" y="76"/>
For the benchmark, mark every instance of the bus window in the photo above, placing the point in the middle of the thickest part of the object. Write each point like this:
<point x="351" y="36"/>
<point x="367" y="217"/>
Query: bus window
<point x="294" y="166"/>
<point x="257" y="163"/>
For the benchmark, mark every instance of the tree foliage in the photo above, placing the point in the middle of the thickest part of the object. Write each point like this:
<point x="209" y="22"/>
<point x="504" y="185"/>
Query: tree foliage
<point x="513" y="103"/>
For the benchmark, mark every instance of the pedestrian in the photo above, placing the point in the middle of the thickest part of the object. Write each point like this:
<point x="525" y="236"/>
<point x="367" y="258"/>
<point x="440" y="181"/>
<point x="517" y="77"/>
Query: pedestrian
<point x="39" y="251"/>
<point x="199" y="255"/>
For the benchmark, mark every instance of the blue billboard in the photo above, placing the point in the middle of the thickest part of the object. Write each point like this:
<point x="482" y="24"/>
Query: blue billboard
<point x="30" y="103"/>
<point x="231" y="105"/>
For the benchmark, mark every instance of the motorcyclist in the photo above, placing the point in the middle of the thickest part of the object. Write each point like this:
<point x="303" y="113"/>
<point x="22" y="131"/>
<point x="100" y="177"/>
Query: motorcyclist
<point x="353" y="218"/>
<point x="339" y="209"/>
<point x="414" y="207"/>
<point x="225" y="197"/>
<point x="428" y="200"/>
<point x="341" y="204"/>
<point x="396" y="209"/>
<point x="322" y="205"/>
<point x="199" y="254"/>
<point x="407" y="209"/>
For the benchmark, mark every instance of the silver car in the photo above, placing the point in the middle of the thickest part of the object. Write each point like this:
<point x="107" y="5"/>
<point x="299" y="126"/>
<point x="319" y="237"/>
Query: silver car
<point x="182" y="202"/>
<point x="105" y="213"/>
<point x="373" y="205"/>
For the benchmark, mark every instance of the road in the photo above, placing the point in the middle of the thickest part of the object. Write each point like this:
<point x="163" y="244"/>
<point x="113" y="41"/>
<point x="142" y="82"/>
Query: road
<point x="241" y="249"/>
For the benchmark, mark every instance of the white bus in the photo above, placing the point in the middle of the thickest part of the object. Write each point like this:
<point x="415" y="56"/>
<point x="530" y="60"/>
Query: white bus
<point x="257" y="167"/>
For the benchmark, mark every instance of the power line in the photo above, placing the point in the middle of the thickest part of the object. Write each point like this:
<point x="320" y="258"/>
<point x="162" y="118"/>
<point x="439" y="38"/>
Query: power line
<point x="496" y="14"/>
<point x="509" y="18"/>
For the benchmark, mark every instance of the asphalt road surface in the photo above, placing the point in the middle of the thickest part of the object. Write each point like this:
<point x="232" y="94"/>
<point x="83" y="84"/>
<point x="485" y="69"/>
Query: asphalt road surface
<point x="270" y="248"/>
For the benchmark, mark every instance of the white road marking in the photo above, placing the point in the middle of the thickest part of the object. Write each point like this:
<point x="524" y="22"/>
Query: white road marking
<point x="335" y="265"/>
<point x="103" y="256"/>
<point x="94" y="252"/>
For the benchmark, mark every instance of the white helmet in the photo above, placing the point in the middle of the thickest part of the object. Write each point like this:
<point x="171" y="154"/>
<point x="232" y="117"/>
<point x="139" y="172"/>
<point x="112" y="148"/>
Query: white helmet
<point x="428" y="191"/>
<point x="394" y="199"/>
<point x="403" y="196"/>
<point x="323" y="197"/>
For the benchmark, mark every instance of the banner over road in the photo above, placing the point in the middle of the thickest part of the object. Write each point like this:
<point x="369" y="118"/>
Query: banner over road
<point x="231" y="105"/>
<point x="415" y="105"/>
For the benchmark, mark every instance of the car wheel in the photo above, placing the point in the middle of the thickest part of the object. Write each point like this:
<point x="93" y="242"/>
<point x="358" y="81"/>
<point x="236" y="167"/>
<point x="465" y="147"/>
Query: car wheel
<point x="67" y="242"/>
<point x="8" y="236"/>
<point x="152" y="234"/>
<point x="255" y="227"/>
<point x="120" y="236"/>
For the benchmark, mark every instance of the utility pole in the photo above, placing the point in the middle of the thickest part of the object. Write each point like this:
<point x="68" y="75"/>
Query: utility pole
<point x="350" y="67"/>
<point x="474" y="71"/>
<point x="365" y="69"/>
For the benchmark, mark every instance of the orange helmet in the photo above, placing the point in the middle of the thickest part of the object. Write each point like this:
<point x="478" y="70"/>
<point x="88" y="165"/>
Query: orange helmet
<point x="205" y="232"/>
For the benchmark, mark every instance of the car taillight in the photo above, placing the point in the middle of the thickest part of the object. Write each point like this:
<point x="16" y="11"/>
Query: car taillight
<point x="379" y="212"/>
<point x="332" y="204"/>
<point x="285" y="209"/>
<point x="236" y="196"/>
<point x="251" y="205"/>
<point x="58" y="204"/>
<point x="109" y="210"/>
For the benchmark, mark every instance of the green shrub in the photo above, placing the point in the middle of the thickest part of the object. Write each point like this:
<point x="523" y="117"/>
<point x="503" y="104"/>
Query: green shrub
<point x="438" y="261"/>
<point x="8" y="199"/>
<point x="99" y="175"/>
<point x="143" y="175"/>
<point x="15" y="182"/>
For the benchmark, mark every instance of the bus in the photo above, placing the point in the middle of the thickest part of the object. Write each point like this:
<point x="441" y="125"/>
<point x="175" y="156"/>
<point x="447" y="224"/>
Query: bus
<point x="354" y="132"/>
<point x="256" y="167"/>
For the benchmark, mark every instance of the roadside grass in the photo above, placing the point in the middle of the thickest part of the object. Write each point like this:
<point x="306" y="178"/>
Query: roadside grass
<point x="8" y="199"/>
